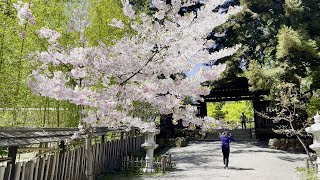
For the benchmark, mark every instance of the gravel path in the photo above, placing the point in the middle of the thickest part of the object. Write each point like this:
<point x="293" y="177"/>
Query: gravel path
<point x="248" y="161"/>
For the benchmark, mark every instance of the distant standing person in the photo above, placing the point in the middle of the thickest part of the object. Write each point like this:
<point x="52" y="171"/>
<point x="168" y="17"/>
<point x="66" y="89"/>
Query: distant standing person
<point x="225" y="138"/>
<point x="243" y="120"/>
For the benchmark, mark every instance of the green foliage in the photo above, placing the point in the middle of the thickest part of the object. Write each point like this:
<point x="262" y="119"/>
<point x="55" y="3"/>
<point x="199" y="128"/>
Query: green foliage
<point x="3" y="152"/>
<point x="102" y="12"/>
<point x="308" y="173"/>
<point x="230" y="112"/>
<point x="292" y="7"/>
<point x="15" y="67"/>
<point x="280" y="43"/>
<point x="315" y="75"/>
<point x="233" y="110"/>
<point x="51" y="114"/>
<point x="257" y="5"/>
<point x="145" y="111"/>
<point x="214" y="110"/>
<point x="261" y="78"/>
<point x="314" y="105"/>
<point x="292" y="40"/>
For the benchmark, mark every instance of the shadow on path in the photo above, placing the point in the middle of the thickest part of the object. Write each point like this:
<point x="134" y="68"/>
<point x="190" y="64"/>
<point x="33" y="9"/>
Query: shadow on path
<point x="192" y="157"/>
<point x="260" y="150"/>
<point x="291" y="159"/>
<point x="229" y="168"/>
<point x="241" y="169"/>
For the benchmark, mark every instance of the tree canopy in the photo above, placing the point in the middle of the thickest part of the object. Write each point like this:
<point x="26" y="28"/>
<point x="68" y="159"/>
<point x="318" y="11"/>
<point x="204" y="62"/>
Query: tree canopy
<point x="279" y="40"/>
<point x="140" y="72"/>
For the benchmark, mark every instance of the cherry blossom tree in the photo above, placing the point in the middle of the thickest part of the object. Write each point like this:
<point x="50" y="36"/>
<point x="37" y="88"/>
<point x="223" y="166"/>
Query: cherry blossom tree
<point x="145" y="69"/>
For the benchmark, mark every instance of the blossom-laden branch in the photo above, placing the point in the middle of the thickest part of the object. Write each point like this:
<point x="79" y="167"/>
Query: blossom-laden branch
<point x="139" y="71"/>
<point x="147" y="67"/>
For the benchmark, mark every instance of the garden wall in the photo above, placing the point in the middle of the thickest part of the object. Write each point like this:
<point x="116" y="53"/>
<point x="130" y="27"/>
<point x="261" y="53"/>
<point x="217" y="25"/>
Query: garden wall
<point x="289" y="144"/>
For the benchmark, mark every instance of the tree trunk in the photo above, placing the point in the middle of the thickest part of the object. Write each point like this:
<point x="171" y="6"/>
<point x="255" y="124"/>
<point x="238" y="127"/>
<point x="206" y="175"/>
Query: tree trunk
<point x="48" y="113"/>
<point x="305" y="148"/>
<point x="89" y="170"/>
<point x="44" y="113"/>
<point x="302" y="143"/>
<point x="58" y="114"/>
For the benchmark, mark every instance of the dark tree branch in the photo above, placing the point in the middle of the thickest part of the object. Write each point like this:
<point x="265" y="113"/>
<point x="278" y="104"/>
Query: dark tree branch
<point x="148" y="61"/>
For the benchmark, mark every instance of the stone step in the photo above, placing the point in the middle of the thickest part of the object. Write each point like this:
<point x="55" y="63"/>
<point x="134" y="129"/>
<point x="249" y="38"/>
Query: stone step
<point x="233" y="133"/>
<point x="238" y="134"/>
<point x="235" y="140"/>
<point x="235" y="137"/>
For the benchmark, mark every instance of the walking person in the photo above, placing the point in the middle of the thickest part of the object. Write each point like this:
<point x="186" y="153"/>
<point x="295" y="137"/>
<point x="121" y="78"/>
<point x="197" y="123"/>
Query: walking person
<point x="243" y="120"/>
<point x="225" y="138"/>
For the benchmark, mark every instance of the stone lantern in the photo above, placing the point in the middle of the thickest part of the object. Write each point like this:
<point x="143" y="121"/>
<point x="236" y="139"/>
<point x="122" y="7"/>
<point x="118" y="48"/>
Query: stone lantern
<point x="150" y="145"/>
<point x="315" y="130"/>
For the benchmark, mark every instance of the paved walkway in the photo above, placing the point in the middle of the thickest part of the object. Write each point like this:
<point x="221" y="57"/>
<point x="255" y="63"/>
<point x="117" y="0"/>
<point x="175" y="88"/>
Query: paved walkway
<point x="248" y="161"/>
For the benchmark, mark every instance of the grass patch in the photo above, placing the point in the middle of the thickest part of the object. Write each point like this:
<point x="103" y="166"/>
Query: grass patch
<point x="309" y="174"/>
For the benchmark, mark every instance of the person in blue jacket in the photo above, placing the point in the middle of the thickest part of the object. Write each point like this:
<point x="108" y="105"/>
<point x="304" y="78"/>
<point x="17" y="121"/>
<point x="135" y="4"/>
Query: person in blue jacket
<point x="225" y="138"/>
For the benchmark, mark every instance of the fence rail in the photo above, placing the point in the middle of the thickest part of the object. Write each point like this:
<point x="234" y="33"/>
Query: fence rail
<point x="71" y="164"/>
<point x="160" y="164"/>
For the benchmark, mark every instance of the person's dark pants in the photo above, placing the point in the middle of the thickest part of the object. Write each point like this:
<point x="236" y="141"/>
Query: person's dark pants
<point x="244" y="124"/>
<point x="226" y="152"/>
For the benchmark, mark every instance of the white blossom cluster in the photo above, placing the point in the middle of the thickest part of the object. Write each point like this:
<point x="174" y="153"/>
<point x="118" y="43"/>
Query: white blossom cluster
<point x="145" y="67"/>
<point x="79" y="20"/>
<point x="24" y="13"/>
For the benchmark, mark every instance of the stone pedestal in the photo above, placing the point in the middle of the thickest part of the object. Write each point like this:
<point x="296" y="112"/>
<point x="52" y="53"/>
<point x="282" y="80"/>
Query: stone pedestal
<point x="315" y="130"/>
<point x="150" y="145"/>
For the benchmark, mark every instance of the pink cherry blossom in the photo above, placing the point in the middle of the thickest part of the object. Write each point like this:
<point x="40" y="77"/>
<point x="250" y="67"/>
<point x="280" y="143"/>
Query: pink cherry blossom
<point x="142" y="73"/>
<point x="127" y="9"/>
<point x="117" y="23"/>
<point x="50" y="34"/>
<point x="24" y="13"/>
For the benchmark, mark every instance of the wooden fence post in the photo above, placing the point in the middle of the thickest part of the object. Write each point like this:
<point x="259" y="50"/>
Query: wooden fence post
<point x="82" y="163"/>
<point x="62" y="146"/>
<point x="13" y="155"/>
<point x="103" y="138"/>
<point x="89" y="155"/>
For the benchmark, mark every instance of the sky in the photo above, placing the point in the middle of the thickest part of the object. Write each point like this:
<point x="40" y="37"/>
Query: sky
<point x="196" y="69"/>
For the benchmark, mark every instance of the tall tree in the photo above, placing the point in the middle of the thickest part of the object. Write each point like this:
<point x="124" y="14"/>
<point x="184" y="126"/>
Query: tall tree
<point x="137" y="68"/>
<point x="280" y="42"/>
<point x="141" y="70"/>
<point x="142" y="67"/>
